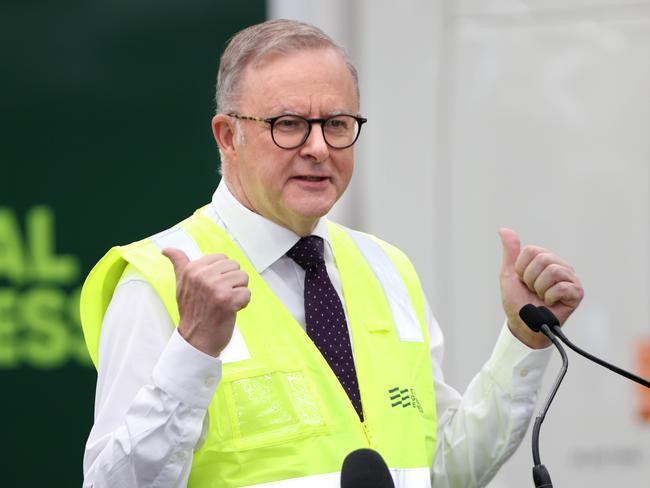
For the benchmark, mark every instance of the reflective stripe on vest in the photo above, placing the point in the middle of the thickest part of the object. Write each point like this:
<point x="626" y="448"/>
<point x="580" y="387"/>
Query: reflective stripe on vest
<point x="178" y="238"/>
<point x="403" y="478"/>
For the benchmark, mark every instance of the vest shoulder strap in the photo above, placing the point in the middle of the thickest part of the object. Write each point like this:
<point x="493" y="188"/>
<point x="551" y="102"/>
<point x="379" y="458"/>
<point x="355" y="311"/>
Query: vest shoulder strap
<point x="146" y="258"/>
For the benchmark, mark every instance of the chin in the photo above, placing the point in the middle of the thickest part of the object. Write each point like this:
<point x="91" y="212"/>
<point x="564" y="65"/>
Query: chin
<point x="313" y="206"/>
<point x="309" y="216"/>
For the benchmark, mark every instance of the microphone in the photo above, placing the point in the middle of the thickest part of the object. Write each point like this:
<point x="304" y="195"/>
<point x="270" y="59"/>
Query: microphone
<point x="365" y="468"/>
<point x="538" y="321"/>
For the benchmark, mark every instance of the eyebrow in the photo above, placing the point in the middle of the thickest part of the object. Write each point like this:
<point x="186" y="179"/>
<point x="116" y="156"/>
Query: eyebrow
<point x="324" y="116"/>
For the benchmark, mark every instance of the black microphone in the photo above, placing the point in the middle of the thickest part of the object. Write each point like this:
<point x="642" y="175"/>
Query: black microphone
<point x="365" y="468"/>
<point x="538" y="322"/>
<point x="554" y="323"/>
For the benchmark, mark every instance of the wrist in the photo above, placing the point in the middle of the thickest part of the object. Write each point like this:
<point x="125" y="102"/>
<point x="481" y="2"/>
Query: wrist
<point x="534" y="340"/>
<point x="195" y="337"/>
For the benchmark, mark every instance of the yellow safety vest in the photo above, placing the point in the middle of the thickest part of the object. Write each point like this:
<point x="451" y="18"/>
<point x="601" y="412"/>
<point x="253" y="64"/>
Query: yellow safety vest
<point x="280" y="417"/>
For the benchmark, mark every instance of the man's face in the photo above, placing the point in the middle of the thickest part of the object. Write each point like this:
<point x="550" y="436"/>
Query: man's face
<point x="292" y="187"/>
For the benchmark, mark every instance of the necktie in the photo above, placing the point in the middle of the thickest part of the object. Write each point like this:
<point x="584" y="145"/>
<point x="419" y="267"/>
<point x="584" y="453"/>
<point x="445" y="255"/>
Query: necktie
<point x="326" y="324"/>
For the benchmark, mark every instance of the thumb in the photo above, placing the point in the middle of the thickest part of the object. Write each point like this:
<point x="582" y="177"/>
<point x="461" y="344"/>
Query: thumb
<point x="511" y="248"/>
<point x="178" y="258"/>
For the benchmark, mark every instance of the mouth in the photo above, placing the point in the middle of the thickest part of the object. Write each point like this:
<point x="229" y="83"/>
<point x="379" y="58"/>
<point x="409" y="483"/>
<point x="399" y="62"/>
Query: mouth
<point x="311" y="178"/>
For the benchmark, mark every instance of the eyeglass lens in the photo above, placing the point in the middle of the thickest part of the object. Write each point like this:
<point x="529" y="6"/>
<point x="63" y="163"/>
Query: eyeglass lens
<point x="290" y="131"/>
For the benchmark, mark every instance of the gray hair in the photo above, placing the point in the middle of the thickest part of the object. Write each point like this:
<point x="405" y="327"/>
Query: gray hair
<point x="252" y="44"/>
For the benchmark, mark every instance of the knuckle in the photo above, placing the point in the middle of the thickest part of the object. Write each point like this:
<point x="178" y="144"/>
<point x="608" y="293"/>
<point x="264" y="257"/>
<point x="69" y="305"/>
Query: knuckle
<point x="243" y="277"/>
<point x="563" y="288"/>
<point x="556" y="270"/>
<point x="246" y="298"/>
<point x="545" y="259"/>
<point x="221" y="295"/>
<point x="567" y="291"/>
<point x="578" y="291"/>
<point x="530" y="251"/>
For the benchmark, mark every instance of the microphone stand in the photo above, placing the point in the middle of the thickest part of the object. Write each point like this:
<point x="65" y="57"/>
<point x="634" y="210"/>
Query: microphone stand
<point x="541" y="476"/>
<point x="541" y="319"/>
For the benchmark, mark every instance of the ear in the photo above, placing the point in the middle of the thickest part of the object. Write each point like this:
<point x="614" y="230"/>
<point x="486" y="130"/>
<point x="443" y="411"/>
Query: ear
<point x="223" y="130"/>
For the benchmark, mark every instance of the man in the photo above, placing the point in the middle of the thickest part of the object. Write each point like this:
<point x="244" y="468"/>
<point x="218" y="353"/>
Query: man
<point x="277" y="342"/>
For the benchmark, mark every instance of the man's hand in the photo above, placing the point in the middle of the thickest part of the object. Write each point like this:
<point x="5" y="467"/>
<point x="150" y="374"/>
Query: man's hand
<point x="209" y="291"/>
<point x="535" y="276"/>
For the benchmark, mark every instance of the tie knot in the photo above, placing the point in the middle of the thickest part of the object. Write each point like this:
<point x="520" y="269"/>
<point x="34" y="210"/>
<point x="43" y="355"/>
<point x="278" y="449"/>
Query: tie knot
<point x="308" y="252"/>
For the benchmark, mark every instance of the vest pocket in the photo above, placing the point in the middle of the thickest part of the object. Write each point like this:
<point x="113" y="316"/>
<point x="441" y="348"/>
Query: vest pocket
<point x="273" y="407"/>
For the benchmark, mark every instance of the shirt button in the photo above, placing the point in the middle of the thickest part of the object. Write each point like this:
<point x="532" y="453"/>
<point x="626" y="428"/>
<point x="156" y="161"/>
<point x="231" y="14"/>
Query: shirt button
<point x="180" y="456"/>
<point x="209" y="381"/>
<point x="524" y="372"/>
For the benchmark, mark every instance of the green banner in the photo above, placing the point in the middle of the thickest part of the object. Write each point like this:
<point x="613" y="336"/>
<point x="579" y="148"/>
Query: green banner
<point x="106" y="139"/>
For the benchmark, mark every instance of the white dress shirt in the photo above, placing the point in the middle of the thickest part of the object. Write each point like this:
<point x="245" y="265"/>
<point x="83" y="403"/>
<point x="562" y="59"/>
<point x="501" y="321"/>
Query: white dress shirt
<point x="153" y="388"/>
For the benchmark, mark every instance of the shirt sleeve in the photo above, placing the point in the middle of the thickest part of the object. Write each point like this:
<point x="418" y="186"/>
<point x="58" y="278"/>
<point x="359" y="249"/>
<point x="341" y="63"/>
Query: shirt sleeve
<point x="478" y="431"/>
<point x="153" y="390"/>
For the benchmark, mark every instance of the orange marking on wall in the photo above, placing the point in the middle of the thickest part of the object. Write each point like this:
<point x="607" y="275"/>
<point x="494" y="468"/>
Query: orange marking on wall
<point x="643" y="369"/>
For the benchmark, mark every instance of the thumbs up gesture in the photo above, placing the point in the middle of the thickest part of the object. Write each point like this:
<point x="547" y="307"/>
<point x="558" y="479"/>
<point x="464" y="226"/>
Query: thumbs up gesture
<point x="209" y="291"/>
<point x="535" y="275"/>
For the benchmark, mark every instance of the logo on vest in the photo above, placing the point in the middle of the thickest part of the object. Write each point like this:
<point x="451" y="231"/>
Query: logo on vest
<point x="404" y="397"/>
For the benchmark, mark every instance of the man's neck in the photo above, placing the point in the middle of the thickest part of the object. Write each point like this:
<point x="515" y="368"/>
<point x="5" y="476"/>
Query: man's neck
<point x="300" y="226"/>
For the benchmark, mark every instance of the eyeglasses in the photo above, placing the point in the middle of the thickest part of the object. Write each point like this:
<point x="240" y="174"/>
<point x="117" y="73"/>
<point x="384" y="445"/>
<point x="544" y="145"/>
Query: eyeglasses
<point x="292" y="131"/>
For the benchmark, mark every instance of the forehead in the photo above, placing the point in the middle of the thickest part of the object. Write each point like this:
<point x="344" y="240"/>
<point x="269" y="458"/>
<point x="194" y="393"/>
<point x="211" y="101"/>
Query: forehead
<point x="305" y="81"/>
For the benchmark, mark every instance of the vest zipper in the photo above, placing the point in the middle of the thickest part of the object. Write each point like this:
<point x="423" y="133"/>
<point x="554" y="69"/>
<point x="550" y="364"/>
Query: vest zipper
<point x="372" y="442"/>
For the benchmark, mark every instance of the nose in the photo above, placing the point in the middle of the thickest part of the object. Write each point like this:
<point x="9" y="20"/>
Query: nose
<point x="315" y="147"/>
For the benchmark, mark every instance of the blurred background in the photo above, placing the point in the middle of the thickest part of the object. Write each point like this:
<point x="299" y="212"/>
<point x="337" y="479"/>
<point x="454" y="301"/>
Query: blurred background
<point x="529" y="114"/>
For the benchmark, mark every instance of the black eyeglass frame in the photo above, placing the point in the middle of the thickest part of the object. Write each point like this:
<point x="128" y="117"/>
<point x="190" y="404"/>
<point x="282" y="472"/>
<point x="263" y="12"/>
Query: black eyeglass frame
<point x="310" y="122"/>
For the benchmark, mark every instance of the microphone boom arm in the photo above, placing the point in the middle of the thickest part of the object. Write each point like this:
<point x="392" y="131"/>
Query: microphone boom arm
<point x="558" y="331"/>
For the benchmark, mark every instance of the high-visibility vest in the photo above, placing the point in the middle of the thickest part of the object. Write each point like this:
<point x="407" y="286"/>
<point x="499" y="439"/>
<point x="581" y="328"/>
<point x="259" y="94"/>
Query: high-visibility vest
<point x="280" y="417"/>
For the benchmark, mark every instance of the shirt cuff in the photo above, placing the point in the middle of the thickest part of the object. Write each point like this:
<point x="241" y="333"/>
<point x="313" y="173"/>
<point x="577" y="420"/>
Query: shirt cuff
<point x="516" y="367"/>
<point x="186" y="373"/>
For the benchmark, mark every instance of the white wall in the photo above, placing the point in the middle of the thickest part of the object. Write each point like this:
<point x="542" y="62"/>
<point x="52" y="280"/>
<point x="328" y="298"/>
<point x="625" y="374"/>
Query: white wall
<point x="549" y="122"/>
<point x="531" y="114"/>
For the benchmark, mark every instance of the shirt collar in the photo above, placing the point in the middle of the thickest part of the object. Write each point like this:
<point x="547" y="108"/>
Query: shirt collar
<point x="263" y="241"/>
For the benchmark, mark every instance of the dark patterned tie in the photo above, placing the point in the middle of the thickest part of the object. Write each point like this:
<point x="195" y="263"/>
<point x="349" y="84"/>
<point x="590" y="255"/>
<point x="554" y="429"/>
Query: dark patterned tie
<point x="324" y="315"/>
